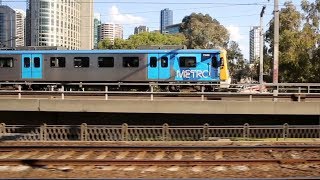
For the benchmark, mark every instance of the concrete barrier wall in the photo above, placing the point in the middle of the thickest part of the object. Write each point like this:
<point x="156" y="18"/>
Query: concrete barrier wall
<point x="145" y="106"/>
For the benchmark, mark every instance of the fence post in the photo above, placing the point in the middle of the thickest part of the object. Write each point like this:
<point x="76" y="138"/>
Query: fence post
<point x="206" y="132"/>
<point x="151" y="89"/>
<point x="299" y="95"/>
<point x="124" y="132"/>
<point x="285" y="133"/>
<point x="106" y="95"/>
<point x="165" y="132"/>
<point x="202" y="91"/>
<point x="246" y="131"/>
<point x="2" y="129"/>
<point x="19" y="89"/>
<point x="84" y="132"/>
<point x="62" y="94"/>
<point x="43" y="132"/>
<point x="275" y="95"/>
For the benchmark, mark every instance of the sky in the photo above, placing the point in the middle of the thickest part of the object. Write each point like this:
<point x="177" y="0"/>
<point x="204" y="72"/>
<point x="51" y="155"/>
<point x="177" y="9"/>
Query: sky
<point x="238" y="16"/>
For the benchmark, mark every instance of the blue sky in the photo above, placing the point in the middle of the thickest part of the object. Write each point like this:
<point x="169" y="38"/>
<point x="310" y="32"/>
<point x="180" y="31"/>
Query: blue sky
<point x="236" y="16"/>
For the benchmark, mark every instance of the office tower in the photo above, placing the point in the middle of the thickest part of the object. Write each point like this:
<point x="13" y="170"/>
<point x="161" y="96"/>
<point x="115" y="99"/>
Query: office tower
<point x="110" y="31"/>
<point x="172" y="29"/>
<point x="166" y="19"/>
<point x="254" y="43"/>
<point x="87" y="25"/>
<point x="20" y="27"/>
<point x="7" y="27"/>
<point x="141" y="29"/>
<point x="57" y="23"/>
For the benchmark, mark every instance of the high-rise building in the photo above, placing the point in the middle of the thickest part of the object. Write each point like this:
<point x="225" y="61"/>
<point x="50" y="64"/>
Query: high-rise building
<point x="110" y="31"/>
<point x="57" y="23"/>
<point x="166" y="19"/>
<point x="97" y="22"/>
<point x="254" y="43"/>
<point x="7" y="27"/>
<point x="172" y="29"/>
<point x="87" y="24"/>
<point x="141" y="29"/>
<point x="20" y="27"/>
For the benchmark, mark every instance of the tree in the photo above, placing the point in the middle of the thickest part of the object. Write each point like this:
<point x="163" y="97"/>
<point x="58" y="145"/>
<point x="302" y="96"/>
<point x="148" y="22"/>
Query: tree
<point x="105" y="44"/>
<point x="290" y="43"/>
<point x="144" y="38"/>
<point x="202" y="31"/>
<point x="239" y="68"/>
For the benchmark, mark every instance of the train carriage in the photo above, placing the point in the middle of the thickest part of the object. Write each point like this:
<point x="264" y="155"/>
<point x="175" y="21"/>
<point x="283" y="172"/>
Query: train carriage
<point x="187" y="65"/>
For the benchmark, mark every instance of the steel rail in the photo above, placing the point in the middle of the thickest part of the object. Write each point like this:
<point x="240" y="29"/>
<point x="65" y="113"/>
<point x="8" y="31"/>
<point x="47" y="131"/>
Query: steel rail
<point x="157" y="148"/>
<point x="103" y="162"/>
<point x="288" y="178"/>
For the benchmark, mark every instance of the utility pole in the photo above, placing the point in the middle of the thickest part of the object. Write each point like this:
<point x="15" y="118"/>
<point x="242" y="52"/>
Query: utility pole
<point x="276" y="42"/>
<point x="261" y="46"/>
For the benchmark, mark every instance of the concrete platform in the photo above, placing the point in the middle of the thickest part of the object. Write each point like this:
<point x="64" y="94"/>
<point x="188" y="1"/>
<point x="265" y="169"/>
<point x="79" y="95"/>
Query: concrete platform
<point x="177" y="107"/>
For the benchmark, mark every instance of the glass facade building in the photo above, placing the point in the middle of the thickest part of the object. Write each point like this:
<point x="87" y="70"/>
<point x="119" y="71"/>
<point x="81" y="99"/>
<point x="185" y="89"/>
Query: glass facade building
<point x="7" y="27"/>
<point x="57" y="23"/>
<point x="166" y="19"/>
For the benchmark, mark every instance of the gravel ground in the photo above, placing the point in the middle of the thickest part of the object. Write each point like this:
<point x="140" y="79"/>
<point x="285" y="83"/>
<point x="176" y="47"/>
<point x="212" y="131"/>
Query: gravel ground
<point x="239" y="171"/>
<point x="215" y="171"/>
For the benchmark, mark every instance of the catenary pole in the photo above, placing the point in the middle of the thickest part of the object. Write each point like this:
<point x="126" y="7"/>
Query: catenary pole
<point x="261" y="46"/>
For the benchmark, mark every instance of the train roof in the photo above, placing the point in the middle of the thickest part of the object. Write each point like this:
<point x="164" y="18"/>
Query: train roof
<point x="162" y="51"/>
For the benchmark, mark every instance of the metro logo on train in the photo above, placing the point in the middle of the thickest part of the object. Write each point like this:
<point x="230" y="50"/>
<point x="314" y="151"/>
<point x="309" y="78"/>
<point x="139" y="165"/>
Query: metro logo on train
<point x="192" y="74"/>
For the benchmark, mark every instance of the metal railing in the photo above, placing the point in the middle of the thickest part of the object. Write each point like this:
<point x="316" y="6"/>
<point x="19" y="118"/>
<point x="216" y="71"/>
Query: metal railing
<point x="165" y="132"/>
<point x="296" y="92"/>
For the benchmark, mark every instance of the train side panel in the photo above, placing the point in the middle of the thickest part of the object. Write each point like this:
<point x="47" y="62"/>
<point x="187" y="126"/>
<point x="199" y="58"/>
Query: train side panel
<point x="77" y="70"/>
<point x="10" y="67"/>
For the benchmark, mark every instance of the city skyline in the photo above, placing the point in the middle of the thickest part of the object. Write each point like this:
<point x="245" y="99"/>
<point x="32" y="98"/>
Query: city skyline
<point x="237" y="17"/>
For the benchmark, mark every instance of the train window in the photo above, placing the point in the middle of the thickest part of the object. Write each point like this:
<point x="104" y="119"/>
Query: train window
<point x="80" y="62"/>
<point x="153" y="62"/>
<point x="187" y="62"/>
<point x="214" y="62"/>
<point x="164" y="62"/>
<point x="105" y="62"/>
<point x="26" y="62"/>
<point x="6" y="62"/>
<point x="57" y="62"/>
<point x="221" y="61"/>
<point x="36" y="62"/>
<point x="130" y="61"/>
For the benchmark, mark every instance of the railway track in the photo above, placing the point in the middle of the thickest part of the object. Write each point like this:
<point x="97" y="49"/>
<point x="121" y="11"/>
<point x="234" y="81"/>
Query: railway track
<point x="161" y="161"/>
<point x="100" y="162"/>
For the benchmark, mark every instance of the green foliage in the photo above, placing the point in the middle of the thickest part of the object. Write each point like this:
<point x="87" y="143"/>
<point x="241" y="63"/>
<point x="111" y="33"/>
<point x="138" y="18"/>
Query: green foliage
<point x="144" y="38"/>
<point x="204" y="32"/>
<point x="299" y="40"/>
<point x="239" y="68"/>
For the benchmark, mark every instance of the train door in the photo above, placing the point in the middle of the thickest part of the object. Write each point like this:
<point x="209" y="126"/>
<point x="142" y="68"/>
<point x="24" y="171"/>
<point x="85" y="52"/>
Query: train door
<point x="158" y="66"/>
<point x="215" y="66"/>
<point x="164" y="66"/>
<point x="31" y="66"/>
<point x="153" y="71"/>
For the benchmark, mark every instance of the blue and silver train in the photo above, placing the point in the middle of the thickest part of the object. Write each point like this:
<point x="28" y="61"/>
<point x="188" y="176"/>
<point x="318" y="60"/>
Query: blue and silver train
<point x="186" y="65"/>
